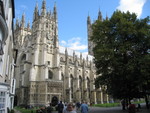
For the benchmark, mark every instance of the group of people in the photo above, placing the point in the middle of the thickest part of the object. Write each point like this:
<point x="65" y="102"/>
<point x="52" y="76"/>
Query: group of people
<point x="72" y="108"/>
<point x="66" y="108"/>
<point x="132" y="108"/>
<point x="48" y="109"/>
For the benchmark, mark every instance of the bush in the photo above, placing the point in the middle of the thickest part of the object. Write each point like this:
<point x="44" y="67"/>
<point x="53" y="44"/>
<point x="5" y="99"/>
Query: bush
<point x="23" y="110"/>
<point x="12" y="111"/>
<point x="107" y="105"/>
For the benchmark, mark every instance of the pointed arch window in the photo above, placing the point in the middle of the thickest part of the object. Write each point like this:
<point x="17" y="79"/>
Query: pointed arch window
<point x="88" y="86"/>
<point x="80" y="85"/>
<point x="50" y="75"/>
<point x="71" y="85"/>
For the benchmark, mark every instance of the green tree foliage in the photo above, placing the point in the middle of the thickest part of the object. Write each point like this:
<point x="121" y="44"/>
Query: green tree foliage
<point x="121" y="55"/>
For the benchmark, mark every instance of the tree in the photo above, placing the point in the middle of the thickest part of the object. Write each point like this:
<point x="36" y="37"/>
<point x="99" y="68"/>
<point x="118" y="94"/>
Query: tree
<point x="122" y="55"/>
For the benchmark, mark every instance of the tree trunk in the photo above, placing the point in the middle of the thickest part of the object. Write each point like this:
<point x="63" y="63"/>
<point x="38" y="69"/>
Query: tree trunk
<point x="146" y="100"/>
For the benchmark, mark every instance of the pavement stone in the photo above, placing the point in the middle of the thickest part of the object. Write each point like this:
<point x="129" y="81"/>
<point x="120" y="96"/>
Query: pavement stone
<point x="108" y="110"/>
<point x="112" y="110"/>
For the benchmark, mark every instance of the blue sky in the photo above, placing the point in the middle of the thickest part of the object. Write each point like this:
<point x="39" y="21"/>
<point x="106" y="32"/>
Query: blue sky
<point x="72" y="16"/>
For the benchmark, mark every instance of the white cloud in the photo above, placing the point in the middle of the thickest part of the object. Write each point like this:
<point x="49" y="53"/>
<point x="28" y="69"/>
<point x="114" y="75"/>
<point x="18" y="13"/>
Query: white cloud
<point x="135" y="6"/>
<point x="24" y="7"/>
<point x="20" y="10"/>
<point x="63" y="43"/>
<point x="17" y="12"/>
<point x="75" y="44"/>
<point x="85" y="53"/>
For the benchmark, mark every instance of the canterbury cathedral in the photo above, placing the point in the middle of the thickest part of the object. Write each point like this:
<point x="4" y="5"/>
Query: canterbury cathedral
<point x="46" y="72"/>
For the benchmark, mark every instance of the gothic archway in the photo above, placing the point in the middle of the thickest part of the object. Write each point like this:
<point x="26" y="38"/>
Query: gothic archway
<point x="54" y="101"/>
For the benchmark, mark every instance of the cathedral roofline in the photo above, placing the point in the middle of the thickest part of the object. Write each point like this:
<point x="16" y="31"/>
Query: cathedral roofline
<point x="72" y="52"/>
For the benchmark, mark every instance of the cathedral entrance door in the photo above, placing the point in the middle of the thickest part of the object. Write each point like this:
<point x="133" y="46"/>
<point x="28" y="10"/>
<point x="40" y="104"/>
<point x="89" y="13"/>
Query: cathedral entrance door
<point x="54" y="101"/>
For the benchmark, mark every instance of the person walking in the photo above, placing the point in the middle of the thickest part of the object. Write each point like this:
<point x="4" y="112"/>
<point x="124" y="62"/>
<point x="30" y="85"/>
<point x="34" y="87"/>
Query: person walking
<point x="49" y="108"/>
<point x="123" y="103"/>
<point x="69" y="108"/>
<point x="78" y="105"/>
<point x="60" y="107"/>
<point x="84" y="108"/>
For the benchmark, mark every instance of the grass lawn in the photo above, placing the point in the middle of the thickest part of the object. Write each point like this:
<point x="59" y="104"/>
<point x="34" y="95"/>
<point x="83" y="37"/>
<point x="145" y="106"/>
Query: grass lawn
<point x="113" y="104"/>
<point x="23" y="110"/>
<point x="107" y="105"/>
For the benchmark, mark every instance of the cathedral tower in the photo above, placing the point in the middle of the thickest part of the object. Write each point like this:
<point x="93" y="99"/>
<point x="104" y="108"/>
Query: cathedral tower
<point x="38" y="52"/>
<point x="89" y="30"/>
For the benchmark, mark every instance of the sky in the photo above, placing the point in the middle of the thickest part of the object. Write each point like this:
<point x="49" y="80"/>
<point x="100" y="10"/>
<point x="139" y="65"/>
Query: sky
<point x="72" y="16"/>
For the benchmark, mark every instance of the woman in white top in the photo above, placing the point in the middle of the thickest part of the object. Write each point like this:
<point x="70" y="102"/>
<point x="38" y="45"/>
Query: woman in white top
<point x="69" y="109"/>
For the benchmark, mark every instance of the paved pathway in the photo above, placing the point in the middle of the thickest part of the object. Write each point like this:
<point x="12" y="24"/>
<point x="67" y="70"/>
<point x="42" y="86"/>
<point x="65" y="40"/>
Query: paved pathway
<point x="112" y="110"/>
<point x="108" y="110"/>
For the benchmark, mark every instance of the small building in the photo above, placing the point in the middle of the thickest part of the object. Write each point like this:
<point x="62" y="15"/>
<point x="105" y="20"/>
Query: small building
<point x="7" y="81"/>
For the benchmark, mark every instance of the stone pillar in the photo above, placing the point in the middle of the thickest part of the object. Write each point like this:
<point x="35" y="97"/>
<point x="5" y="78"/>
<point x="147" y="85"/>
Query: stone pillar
<point x="78" y="95"/>
<point x="94" y="97"/>
<point x="31" y="76"/>
<point x="107" y="97"/>
<point x="46" y="72"/>
<point x="86" y="96"/>
<point x="101" y="97"/>
<point x="68" y="95"/>
<point x="36" y="55"/>
<point x="44" y="54"/>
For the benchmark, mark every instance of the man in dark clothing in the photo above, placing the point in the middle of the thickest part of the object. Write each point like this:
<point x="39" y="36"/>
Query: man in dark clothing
<point x="60" y="107"/>
<point x="78" y="105"/>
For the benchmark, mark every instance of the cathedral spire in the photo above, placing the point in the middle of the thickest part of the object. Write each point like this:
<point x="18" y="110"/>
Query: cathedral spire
<point x="88" y="20"/>
<point x="106" y="17"/>
<point x="43" y="9"/>
<point x="66" y="52"/>
<point x="48" y="14"/>
<point x="36" y="7"/>
<point x="28" y="25"/>
<point x="17" y="23"/>
<point x="55" y="12"/>
<point x="99" y="15"/>
<point x="36" y="12"/>
<point x="44" y="4"/>
<point x="23" y="20"/>
<point x="80" y="56"/>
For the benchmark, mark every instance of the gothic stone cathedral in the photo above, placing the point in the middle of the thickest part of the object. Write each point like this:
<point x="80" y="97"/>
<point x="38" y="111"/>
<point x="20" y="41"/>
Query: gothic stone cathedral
<point x="46" y="72"/>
